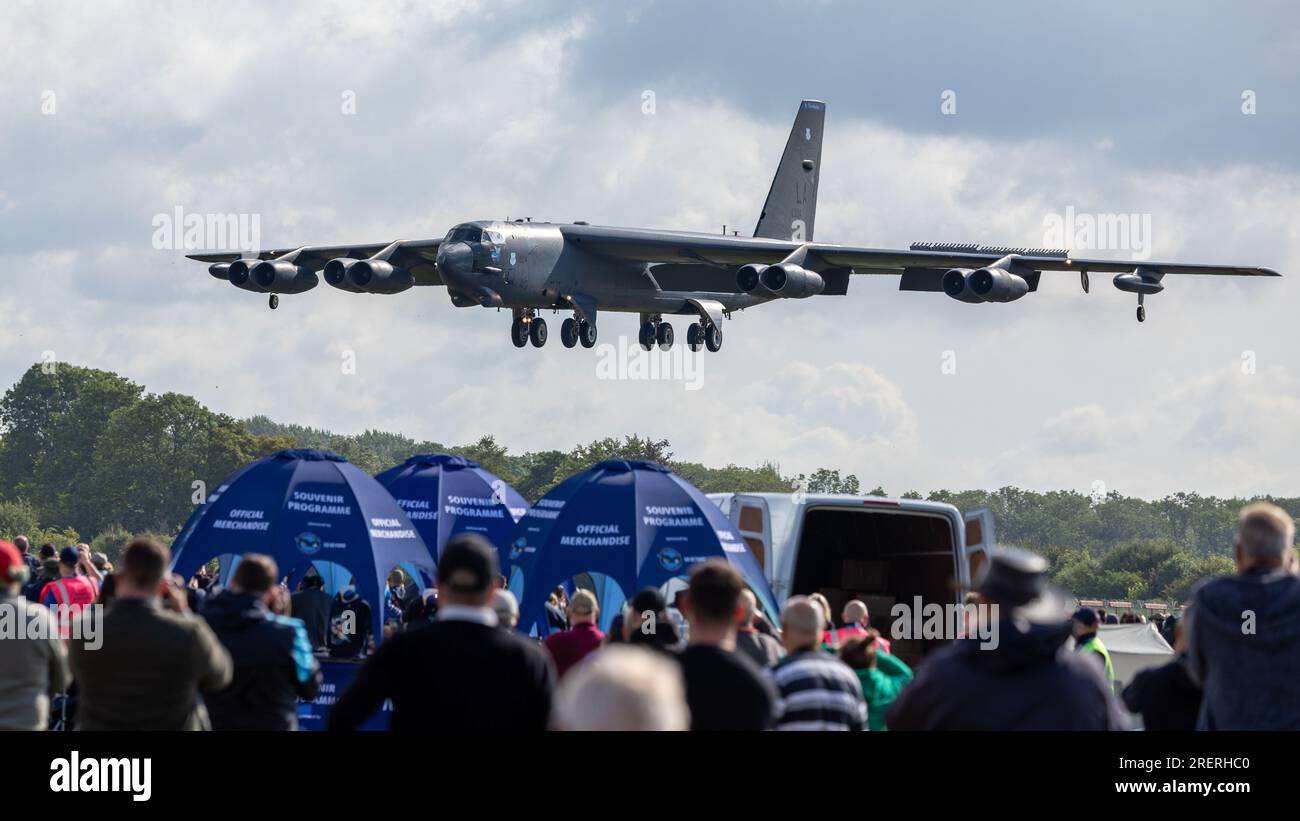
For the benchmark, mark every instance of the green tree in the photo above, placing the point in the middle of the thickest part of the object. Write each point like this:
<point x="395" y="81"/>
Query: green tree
<point x="152" y="453"/>
<point x="50" y="420"/>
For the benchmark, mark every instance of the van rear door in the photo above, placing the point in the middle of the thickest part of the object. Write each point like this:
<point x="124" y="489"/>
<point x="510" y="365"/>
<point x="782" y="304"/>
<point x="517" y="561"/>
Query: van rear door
<point x="753" y="520"/>
<point x="981" y="538"/>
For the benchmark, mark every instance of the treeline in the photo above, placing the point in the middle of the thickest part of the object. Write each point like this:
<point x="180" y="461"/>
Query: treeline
<point x="87" y="455"/>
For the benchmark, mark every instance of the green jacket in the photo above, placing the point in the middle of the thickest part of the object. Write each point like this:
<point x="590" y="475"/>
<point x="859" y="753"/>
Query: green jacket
<point x="1094" y="645"/>
<point x="881" y="685"/>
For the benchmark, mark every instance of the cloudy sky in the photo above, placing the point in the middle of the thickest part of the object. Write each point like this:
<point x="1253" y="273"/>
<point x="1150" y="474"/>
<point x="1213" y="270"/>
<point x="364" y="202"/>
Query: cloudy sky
<point x="116" y="113"/>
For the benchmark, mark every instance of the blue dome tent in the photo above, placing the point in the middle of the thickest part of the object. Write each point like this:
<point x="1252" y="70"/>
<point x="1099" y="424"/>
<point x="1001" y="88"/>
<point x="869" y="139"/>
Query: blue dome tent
<point x="445" y="495"/>
<point x="629" y="525"/>
<point x="302" y="506"/>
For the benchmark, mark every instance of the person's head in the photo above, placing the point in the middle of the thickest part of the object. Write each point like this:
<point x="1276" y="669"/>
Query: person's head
<point x="101" y="562"/>
<point x="1265" y="532"/>
<point x="802" y="622"/>
<point x="69" y="558"/>
<point x="23" y="545"/>
<point x="748" y="607"/>
<point x="646" y="610"/>
<point x="583" y="608"/>
<point x="1084" y="622"/>
<point x="13" y="569"/>
<point x="255" y="576"/>
<point x="855" y="613"/>
<point x="396" y="578"/>
<point x="144" y="563"/>
<point x="312" y="582"/>
<point x="1101" y="616"/>
<point x="712" y="602"/>
<point x="506" y="607"/>
<point x="622" y="688"/>
<point x="49" y="551"/>
<point x="467" y="572"/>
<point x="860" y="653"/>
<point x="825" y="605"/>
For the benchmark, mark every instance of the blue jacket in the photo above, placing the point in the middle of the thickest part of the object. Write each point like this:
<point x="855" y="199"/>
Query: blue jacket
<point x="274" y="665"/>
<point x="1028" y="682"/>
<point x="1243" y="648"/>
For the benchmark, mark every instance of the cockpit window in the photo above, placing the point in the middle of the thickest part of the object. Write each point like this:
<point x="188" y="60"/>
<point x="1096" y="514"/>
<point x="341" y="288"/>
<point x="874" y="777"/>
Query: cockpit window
<point x="465" y="233"/>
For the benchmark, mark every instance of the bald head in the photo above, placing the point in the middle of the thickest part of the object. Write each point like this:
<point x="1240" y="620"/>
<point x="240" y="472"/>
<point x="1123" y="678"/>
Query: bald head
<point x="801" y="624"/>
<point x="748" y="604"/>
<point x="855" y="612"/>
<point x="1265" y="532"/>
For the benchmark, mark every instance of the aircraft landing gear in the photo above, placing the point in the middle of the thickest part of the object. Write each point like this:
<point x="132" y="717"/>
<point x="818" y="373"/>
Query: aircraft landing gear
<point x="586" y="334"/>
<point x="665" y="336"/>
<point x="519" y="333"/>
<point x="713" y="338"/>
<point x="569" y="332"/>
<point x="647" y="335"/>
<point x="274" y="301"/>
<point x="537" y="332"/>
<point x="695" y="337"/>
<point x="1142" y="311"/>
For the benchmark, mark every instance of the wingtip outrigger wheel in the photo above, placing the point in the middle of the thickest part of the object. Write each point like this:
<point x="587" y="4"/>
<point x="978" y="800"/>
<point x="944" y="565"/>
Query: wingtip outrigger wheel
<point x="274" y="301"/>
<point x="1083" y="280"/>
<point x="1142" y="311"/>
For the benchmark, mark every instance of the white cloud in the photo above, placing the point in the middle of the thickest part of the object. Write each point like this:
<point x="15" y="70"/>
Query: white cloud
<point x="461" y="115"/>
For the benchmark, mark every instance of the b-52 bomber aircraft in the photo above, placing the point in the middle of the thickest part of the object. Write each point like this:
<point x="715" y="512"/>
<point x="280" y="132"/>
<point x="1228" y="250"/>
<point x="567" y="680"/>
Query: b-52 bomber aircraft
<point x="530" y="267"/>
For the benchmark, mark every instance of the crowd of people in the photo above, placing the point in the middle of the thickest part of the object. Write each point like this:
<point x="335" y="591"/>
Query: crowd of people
<point x="131" y="647"/>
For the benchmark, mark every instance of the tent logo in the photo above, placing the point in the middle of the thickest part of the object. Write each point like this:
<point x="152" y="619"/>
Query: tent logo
<point x="517" y="547"/>
<point x="308" y="543"/>
<point x="670" y="558"/>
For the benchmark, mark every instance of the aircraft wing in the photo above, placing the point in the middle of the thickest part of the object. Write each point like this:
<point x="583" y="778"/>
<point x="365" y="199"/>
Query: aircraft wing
<point x="418" y="256"/>
<point x="663" y="247"/>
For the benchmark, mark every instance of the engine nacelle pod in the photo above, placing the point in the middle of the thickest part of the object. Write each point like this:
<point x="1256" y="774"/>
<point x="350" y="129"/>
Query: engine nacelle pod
<point x="789" y="281"/>
<point x="956" y="284"/>
<point x="1137" y="284"/>
<point x="376" y="276"/>
<point x="996" y="285"/>
<point x="747" y="277"/>
<point x="280" y="276"/>
<point x="239" y="275"/>
<point x="335" y="273"/>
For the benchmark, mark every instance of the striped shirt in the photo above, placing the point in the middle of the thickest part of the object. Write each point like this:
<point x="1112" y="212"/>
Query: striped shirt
<point x="818" y="692"/>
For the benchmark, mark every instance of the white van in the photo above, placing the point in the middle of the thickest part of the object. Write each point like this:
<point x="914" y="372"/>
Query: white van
<point x="880" y="550"/>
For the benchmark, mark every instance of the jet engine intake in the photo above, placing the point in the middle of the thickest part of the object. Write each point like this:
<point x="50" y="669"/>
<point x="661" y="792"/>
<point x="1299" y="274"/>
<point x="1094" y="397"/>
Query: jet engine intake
<point x="278" y="276"/>
<point x="790" y="281"/>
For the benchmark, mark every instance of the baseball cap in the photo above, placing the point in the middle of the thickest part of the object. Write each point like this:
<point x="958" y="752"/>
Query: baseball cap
<point x="69" y="555"/>
<point x="468" y="564"/>
<point x="12" y="566"/>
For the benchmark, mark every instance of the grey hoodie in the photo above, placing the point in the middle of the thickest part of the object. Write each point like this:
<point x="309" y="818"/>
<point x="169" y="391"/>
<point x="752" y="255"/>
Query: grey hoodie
<point x="1243" y="648"/>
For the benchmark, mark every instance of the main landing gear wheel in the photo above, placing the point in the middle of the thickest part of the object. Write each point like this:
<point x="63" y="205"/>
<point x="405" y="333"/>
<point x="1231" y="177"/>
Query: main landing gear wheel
<point x="665" y="336"/>
<point x="713" y="338"/>
<point x="519" y="333"/>
<point x="695" y="336"/>
<point x="586" y="334"/>
<point x="569" y="332"/>
<point x="274" y="301"/>
<point x="537" y="332"/>
<point x="647" y="335"/>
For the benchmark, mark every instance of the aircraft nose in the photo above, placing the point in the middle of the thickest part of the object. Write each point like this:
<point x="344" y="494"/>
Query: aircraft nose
<point x="455" y="261"/>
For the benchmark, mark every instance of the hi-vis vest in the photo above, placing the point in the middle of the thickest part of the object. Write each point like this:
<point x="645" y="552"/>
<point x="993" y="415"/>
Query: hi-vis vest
<point x="1094" y="645"/>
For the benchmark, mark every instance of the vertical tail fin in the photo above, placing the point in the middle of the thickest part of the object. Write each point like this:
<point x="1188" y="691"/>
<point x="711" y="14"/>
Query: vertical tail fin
<point x="791" y="205"/>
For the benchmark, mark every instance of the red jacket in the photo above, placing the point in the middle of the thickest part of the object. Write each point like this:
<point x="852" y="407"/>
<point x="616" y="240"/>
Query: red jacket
<point x="571" y="646"/>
